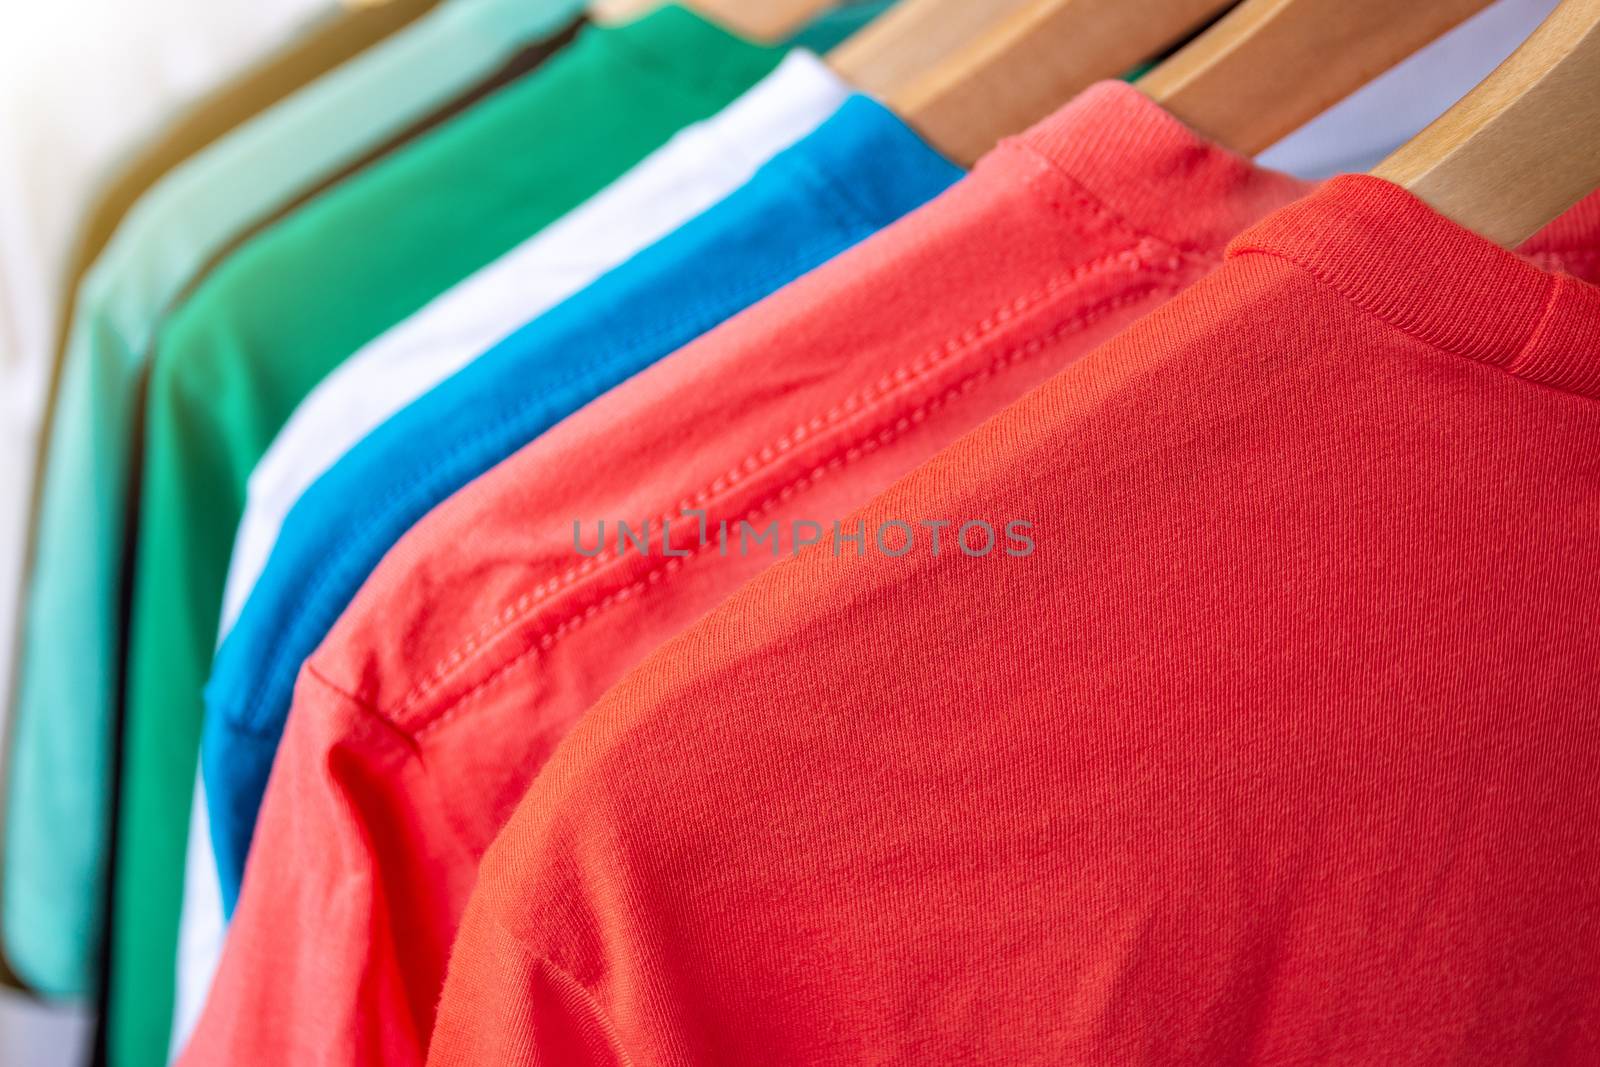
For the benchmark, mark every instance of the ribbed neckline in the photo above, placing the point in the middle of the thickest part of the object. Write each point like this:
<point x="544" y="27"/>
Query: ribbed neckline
<point x="1398" y="260"/>
<point x="694" y="49"/>
<point x="1147" y="167"/>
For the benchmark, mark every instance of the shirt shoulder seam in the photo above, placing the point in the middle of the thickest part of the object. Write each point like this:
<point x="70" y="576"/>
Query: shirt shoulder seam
<point x="892" y="384"/>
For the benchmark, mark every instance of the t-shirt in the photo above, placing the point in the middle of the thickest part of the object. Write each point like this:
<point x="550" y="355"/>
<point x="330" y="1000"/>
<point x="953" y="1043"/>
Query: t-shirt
<point x="859" y="171"/>
<point x="230" y="366"/>
<point x="59" y="800"/>
<point x="310" y="54"/>
<point x="698" y="167"/>
<point x="364" y="985"/>
<point x="82" y="83"/>
<point x="528" y="57"/>
<point x="397" y="366"/>
<point x="1270" y="739"/>
<point x="857" y="371"/>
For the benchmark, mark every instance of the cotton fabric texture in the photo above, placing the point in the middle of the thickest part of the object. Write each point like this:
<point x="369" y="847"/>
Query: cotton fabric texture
<point x="365" y="991"/>
<point x="1297" y="693"/>
<point x="484" y="634"/>
<point x="859" y="171"/>
<point x="230" y="366"/>
<point x="699" y="166"/>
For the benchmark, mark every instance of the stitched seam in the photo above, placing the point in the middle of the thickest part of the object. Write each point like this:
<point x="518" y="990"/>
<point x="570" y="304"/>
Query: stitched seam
<point x="847" y="215"/>
<point x="356" y="546"/>
<point x="329" y="683"/>
<point x="845" y="454"/>
<point x="1518" y="363"/>
<point x="1085" y="198"/>
<point x="758" y="459"/>
<point x="607" y="1027"/>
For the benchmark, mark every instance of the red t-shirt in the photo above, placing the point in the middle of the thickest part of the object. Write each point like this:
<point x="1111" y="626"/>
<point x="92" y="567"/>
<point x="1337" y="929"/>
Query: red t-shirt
<point x="1280" y="747"/>
<point x="486" y="633"/>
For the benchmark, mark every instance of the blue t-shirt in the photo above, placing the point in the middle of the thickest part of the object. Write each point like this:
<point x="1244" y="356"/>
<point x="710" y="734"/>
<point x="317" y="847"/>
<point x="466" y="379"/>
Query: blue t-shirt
<point x="859" y="171"/>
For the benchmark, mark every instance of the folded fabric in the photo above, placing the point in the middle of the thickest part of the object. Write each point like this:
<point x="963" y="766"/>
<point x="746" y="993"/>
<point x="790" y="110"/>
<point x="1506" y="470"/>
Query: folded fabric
<point x="59" y="802"/>
<point x="1287" y="689"/>
<point x="267" y="325"/>
<point x="363" y="990"/>
<point x="699" y="166"/>
<point x="726" y="424"/>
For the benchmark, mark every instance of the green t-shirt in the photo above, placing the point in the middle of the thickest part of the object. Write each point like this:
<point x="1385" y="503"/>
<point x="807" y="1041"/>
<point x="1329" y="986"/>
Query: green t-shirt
<point x="59" y="802"/>
<point x="282" y="312"/>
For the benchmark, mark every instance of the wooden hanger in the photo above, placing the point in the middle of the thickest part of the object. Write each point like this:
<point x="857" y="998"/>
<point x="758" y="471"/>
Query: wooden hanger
<point x="1036" y="60"/>
<point x="1270" y="66"/>
<point x="1524" y="145"/>
<point x="758" y="20"/>
<point x="912" y="38"/>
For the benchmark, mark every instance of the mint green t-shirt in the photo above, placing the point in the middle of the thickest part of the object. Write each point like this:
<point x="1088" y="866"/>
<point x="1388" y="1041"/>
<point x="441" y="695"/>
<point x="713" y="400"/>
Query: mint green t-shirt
<point x="230" y="366"/>
<point x="59" y="802"/>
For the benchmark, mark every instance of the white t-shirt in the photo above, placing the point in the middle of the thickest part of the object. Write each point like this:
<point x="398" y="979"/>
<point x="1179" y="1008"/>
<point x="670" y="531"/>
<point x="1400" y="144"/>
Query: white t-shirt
<point x="700" y="166"/>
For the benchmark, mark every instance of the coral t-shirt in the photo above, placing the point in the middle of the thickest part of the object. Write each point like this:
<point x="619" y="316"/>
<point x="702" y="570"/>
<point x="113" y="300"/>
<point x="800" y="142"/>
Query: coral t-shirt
<point x="362" y="990"/>
<point x="1275" y="744"/>
<point x="493" y="625"/>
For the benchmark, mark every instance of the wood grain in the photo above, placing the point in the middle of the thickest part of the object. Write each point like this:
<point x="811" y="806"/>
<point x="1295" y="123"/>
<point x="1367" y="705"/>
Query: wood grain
<point x="1035" y="61"/>
<point x="912" y="38"/>
<point x="1270" y="66"/>
<point x="1524" y="145"/>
